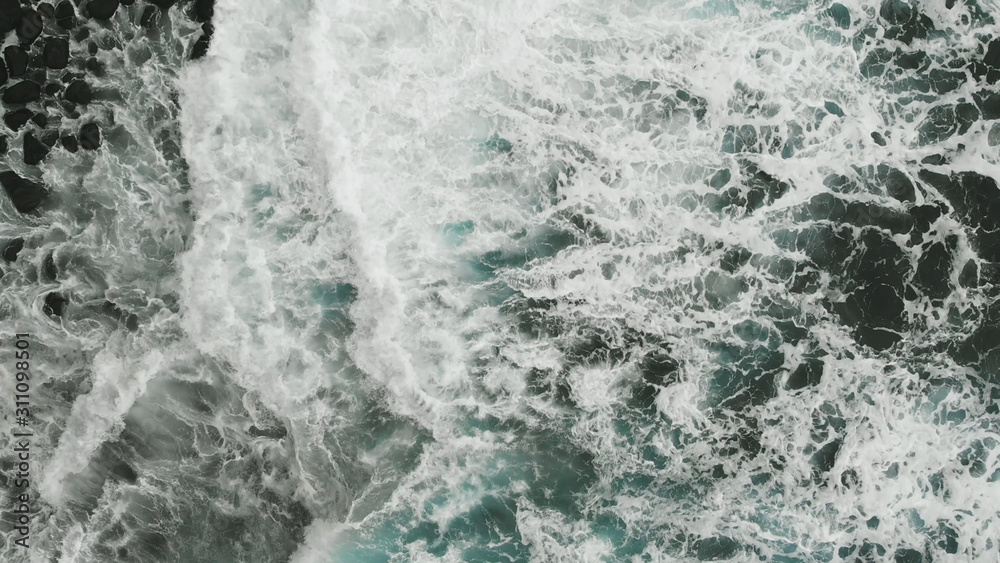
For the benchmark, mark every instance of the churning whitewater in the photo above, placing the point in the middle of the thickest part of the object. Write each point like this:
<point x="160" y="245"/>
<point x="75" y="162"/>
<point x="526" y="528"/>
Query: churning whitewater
<point x="546" y="280"/>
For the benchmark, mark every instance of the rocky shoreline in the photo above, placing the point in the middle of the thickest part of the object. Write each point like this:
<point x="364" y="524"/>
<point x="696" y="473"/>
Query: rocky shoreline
<point x="49" y="60"/>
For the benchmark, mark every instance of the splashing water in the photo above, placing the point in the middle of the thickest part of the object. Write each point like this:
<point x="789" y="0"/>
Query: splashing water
<point x="533" y="281"/>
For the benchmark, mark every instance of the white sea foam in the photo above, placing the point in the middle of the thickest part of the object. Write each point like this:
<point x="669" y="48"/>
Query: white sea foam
<point x="460" y="284"/>
<point x="376" y="119"/>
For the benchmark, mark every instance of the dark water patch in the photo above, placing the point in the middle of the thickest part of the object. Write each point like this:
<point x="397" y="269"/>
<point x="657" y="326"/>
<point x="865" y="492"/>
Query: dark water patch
<point x="933" y="273"/>
<point x="749" y="372"/>
<point x="752" y="189"/>
<point x="716" y="548"/>
<point x="976" y="201"/>
<point x="657" y="371"/>
<point x="808" y="373"/>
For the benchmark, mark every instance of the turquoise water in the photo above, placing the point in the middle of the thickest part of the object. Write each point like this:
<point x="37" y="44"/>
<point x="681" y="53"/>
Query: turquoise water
<point x="522" y="281"/>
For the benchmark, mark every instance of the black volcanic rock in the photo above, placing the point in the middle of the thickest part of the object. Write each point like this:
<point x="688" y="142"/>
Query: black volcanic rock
<point x="3" y="145"/>
<point x="12" y="249"/>
<point x="50" y="138"/>
<point x="65" y="14"/>
<point x="69" y="143"/>
<point x="79" y="92"/>
<point x="95" y="66"/>
<point x="92" y="48"/>
<point x="52" y="88"/>
<point x="49" y="271"/>
<point x="55" y="304"/>
<point x="203" y="10"/>
<point x="102" y="9"/>
<point x="46" y="10"/>
<point x="23" y="92"/>
<point x="35" y="151"/>
<point x="163" y="4"/>
<point x="10" y="15"/>
<point x="90" y="136"/>
<point x="25" y="194"/>
<point x="16" y="59"/>
<point x="40" y="119"/>
<point x="200" y="48"/>
<point x="127" y="2"/>
<point x="56" y="53"/>
<point x="30" y="27"/>
<point x="3" y="72"/>
<point x="17" y="118"/>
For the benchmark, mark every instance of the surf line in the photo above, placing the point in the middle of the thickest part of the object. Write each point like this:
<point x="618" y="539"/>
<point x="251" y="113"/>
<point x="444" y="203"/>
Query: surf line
<point x="22" y="440"/>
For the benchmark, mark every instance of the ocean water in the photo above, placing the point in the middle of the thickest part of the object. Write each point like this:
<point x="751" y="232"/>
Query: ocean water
<point x="548" y="280"/>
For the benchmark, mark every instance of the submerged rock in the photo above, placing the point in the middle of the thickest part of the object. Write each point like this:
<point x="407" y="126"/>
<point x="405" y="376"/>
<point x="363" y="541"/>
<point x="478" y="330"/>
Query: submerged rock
<point x="24" y="92"/>
<point x="102" y="9"/>
<point x="56" y="53"/>
<point x="79" y="92"/>
<point x="35" y="151"/>
<point x="26" y="194"/>
<point x="149" y="16"/>
<point x="12" y="248"/>
<point x="90" y="136"/>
